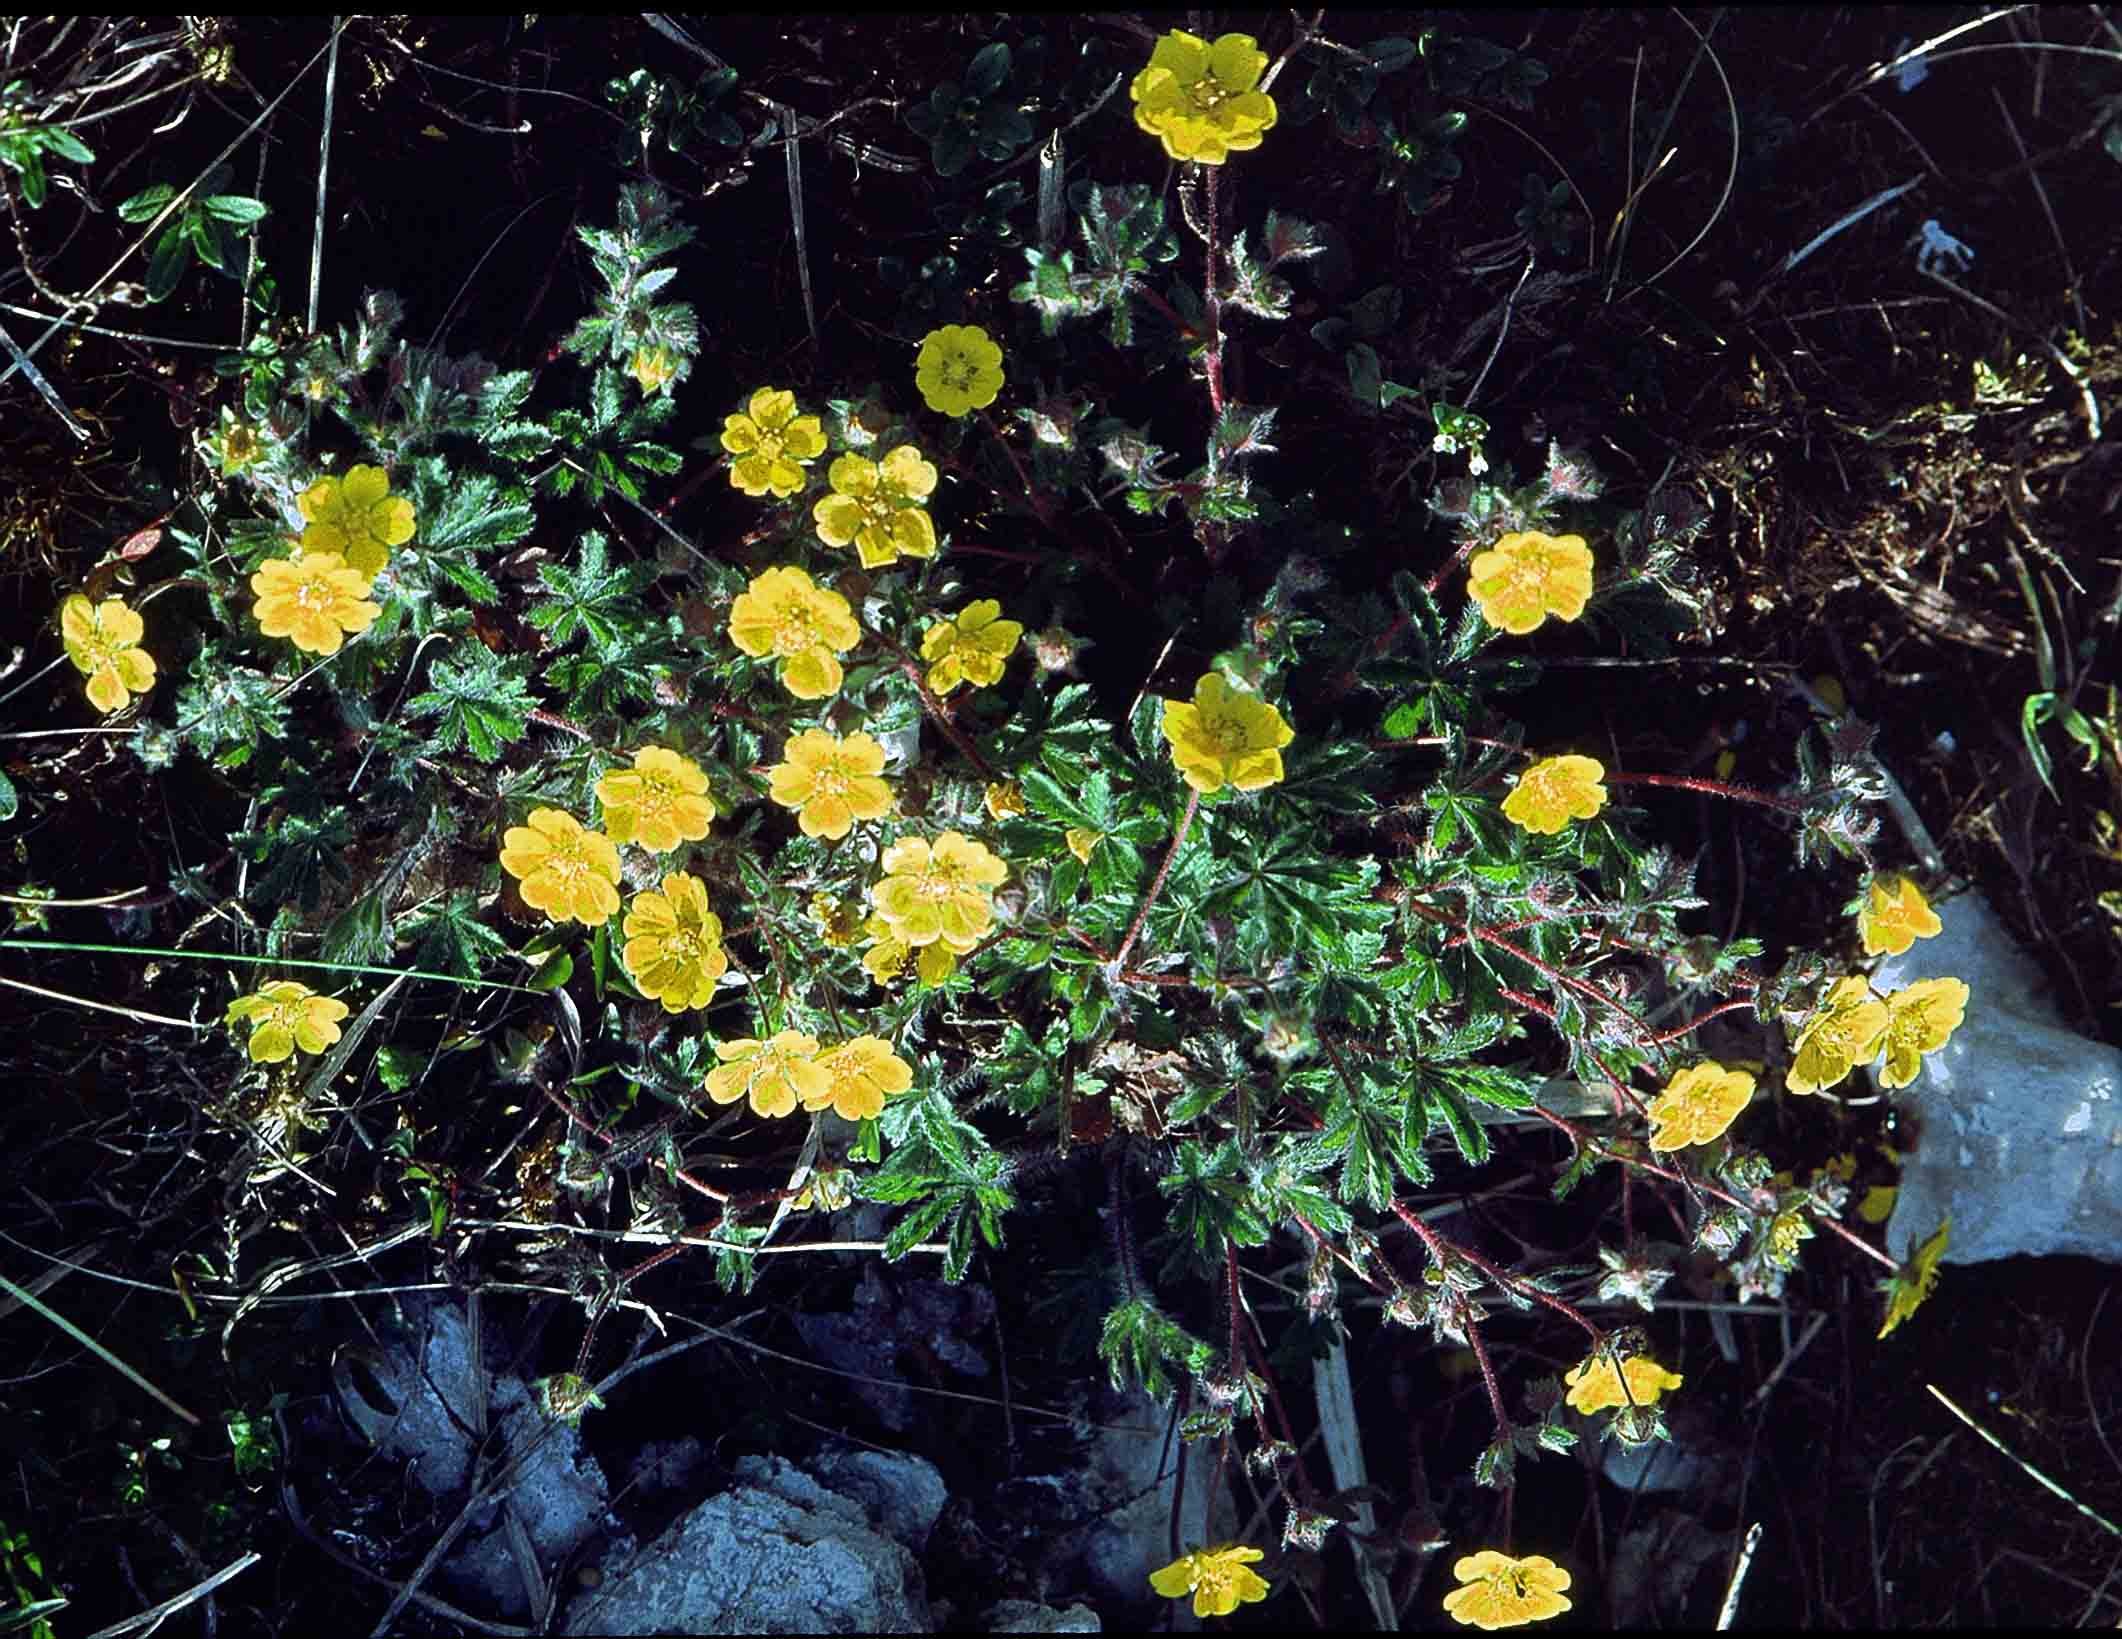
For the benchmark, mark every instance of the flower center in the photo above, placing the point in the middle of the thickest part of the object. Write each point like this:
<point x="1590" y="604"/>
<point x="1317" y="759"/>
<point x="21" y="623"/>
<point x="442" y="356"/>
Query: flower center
<point x="959" y="373"/>
<point x="655" y="798"/>
<point x="829" y="780"/>
<point x="683" y="946"/>
<point x="313" y="595"/>
<point x="1226" y="734"/>
<point x="793" y="631"/>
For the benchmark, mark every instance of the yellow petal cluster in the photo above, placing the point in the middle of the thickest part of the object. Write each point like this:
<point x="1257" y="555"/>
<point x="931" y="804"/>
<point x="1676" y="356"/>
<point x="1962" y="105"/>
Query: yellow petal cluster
<point x="831" y="782"/>
<point x="1527" y="576"/>
<point x="775" y="1075"/>
<point x="861" y="1075"/>
<point x="1499" y="1591"/>
<point x="958" y="370"/>
<point x="285" y="1015"/>
<point x="972" y="646"/>
<point x="839" y="922"/>
<point x="1003" y="800"/>
<point x="1220" y="1579"/>
<point x="888" y="954"/>
<point x="1594" y="1384"/>
<point x="1913" y="1281"/>
<point x="772" y="444"/>
<point x="1894" y="916"/>
<point x="570" y="874"/>
<point x="1201" y="100"/>
<point x="1920" y="1018"/>
<point x="1225" y="737"/>
<point x="102" y="640"/>
<point x="805" y="626"/>
<point x="1554" y="791"/>
<point x="1843" y="1034"/>
<point x="357" y="517"/>
<point x="1697" y="1105"/>
<point x="315" y="599"/>
<point x="674" y="943"/>
<point x="655" y="368"/>
<point x="939" y="892"/>
<point x="878" y="508"/>
<point x="658" y="803"/>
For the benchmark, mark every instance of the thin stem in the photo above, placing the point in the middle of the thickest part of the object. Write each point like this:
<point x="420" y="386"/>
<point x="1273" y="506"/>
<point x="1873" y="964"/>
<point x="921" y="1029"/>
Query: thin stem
<point x="1714" y="788"/>
<point x="1134" y="932"/>
<point x="938" y="713"/>
<point x="1214" y="302"/>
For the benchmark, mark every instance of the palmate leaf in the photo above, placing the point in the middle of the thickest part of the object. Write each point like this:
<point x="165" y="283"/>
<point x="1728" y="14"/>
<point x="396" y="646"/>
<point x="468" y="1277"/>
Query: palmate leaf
<point x="452" y="938"/>
<point x="591" y="598"/>
<point x="481" y="699"/>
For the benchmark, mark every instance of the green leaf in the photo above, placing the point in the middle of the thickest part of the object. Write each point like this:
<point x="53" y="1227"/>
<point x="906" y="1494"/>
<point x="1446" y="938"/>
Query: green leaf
<point x="146" y="204"/>
<point x="1391" y="54"/>
<point x="165" y="268"/>
<point x="952" y="150"/>
<point x="230" y="207"/>
<point x="990" y="67"/>
<point x="2036" y="710"/>
<point x="481" y="699"/>
<point x="590" y="599"/>
<point x="10" y="800"/>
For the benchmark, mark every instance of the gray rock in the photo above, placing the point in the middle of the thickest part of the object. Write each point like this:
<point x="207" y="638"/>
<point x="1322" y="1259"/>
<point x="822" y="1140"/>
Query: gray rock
<point x="753" y="1561"/>
<point x="419" y="1405"/>
<point x="1130" y="1475"/>
<point x="2020" y="1123"/>
<point x="903" y="1494"/>
<point x="1022" y="1616"/>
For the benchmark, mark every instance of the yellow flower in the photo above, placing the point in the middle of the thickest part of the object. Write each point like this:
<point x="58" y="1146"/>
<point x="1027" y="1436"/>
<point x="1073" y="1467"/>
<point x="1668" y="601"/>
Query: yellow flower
<point x="285" y="1015"/>
<point x="1913" y="1281"/>
<point x="772" y="444"/>
<point x="1200" y="100"/>
<point x="839" y="923"/>
<point x="674" y="943"/>
<point x="863" y="1074"/>
<point x="238" y="445"/>
<point x="774" y="1074"/>
<point x="660" y="802"/>
<point x="1920" y="1018"/>
<point x="1554" y="791"/>
<point x="940" y="891"/>
<point x="357" y="517"/>
<point x="1502" y="1592"/>
<point x="876" y="506"/>
<point x="1594" y="1385"/>
<point x="570" y="874"/>
<point x="1081" y="840"/>
<point x="1895" y="916"/>
<point x="102" y="640"/>
<point x="314" y="599"/>
<point x="1226" y="737"/>
<point x="831" y="782"/>
<point x="1697" y="1105"/>
<point x="1844" y="1034"/>
<point x="1526" y="577"/>
<point x="970" y="647"/>
<point x="886" y="958"/>
<point x="1220" y="1579"/>
<point x="655" y="368"/>
<point x="1004" y="800"/>
<point x="958" y="370"/>
<point x="786" y="614"/>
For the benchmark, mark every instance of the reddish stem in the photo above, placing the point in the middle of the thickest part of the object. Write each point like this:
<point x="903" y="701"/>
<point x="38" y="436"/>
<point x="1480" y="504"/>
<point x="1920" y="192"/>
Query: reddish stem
<point x="1714" y="788"/>
<point x="1134" y="931"/>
